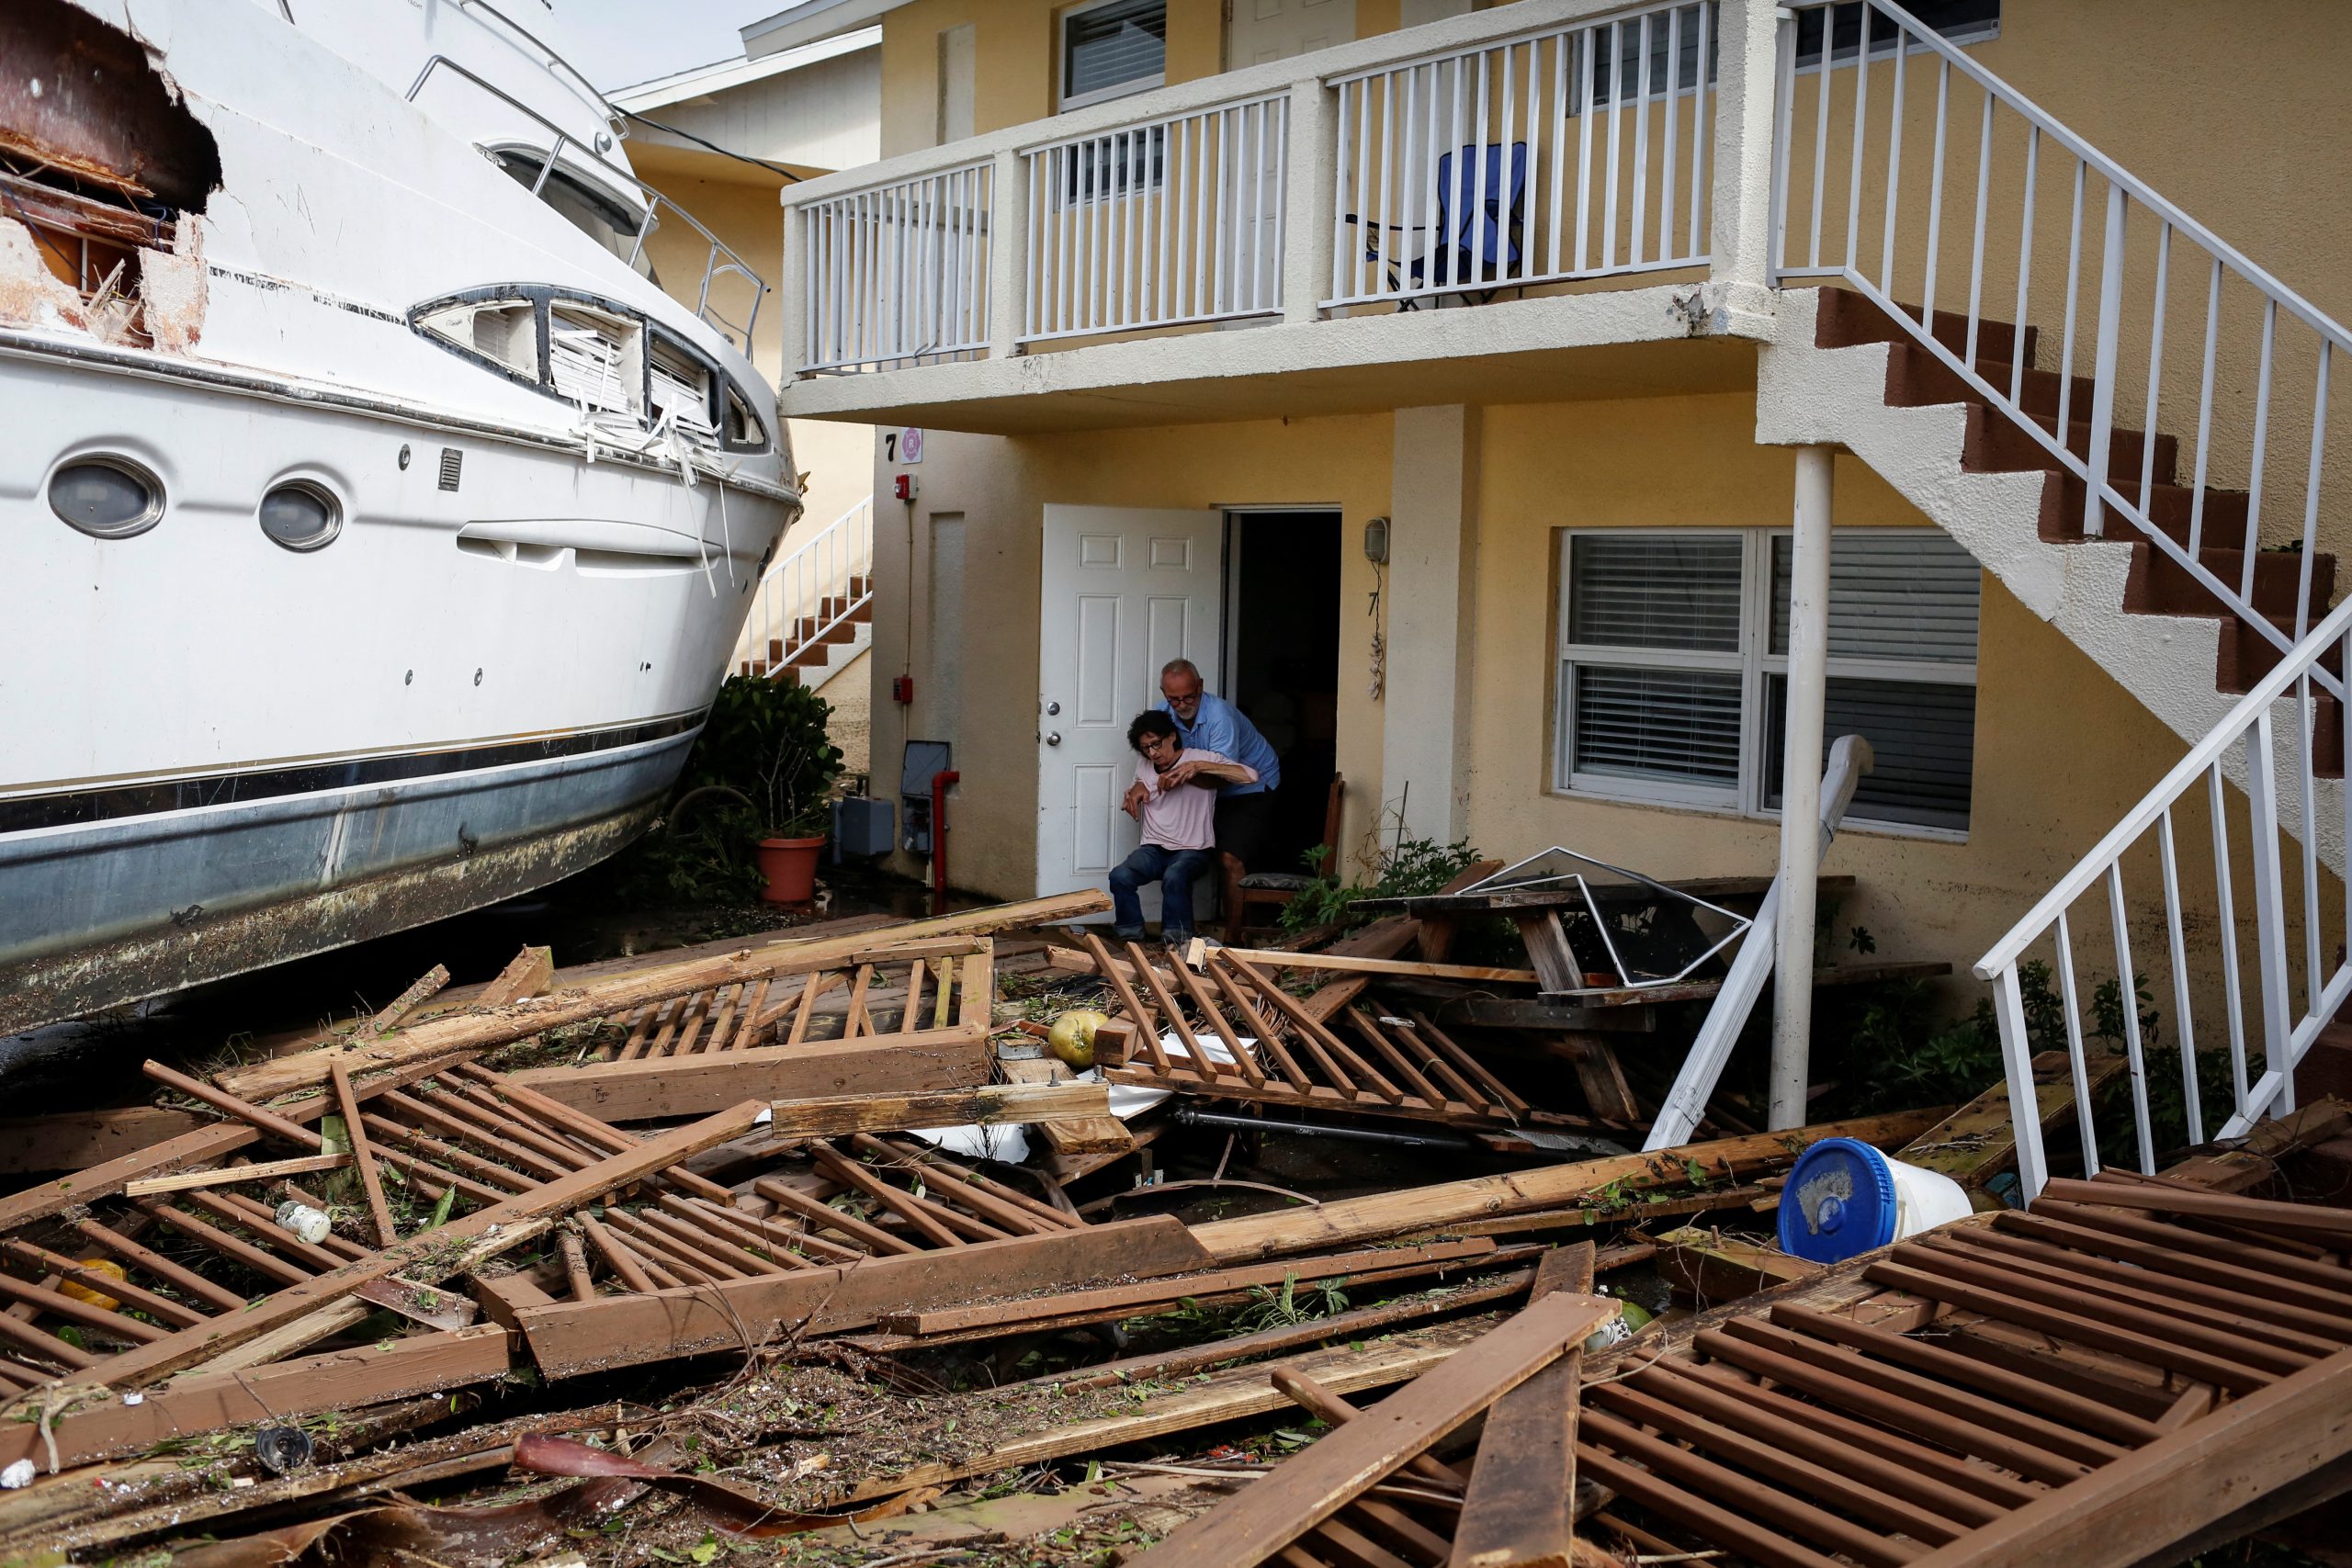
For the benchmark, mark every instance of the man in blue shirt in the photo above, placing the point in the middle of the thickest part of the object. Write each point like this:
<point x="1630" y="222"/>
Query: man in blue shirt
<point x="1245" y="812"/>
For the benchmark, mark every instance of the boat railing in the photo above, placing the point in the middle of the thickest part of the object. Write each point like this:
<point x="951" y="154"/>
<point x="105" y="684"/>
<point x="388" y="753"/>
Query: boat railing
<point x="720" y="260"/>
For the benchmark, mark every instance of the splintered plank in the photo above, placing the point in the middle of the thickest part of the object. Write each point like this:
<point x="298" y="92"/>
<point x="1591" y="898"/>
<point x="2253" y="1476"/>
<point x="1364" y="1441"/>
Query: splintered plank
<point x="569" y="1339"/>
<point x="655" y="1087"/>
<point x="1312" y="1485"/>
<point x="1520" y="1511"/>
<point x="454" y="1248"/>
<point x="837" y="1115"/>
<point x="1979" y="1140"/>
<point x="1071" y="1136"/>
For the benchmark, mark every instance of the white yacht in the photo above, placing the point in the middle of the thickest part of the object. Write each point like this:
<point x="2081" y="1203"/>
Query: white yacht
<point x="374" y="528"/>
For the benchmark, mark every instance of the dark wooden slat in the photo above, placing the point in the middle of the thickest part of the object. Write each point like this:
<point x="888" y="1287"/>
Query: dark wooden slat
<point x="1520" y="1509"/>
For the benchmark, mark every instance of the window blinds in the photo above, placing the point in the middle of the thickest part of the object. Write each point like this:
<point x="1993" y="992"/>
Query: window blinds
<point x="1908" y="595"/>
<point x="1678" y="724"/>
<point x="1121" y="42"/>
<point x="1663" y="592"/>
<point x="1923" y="736"/>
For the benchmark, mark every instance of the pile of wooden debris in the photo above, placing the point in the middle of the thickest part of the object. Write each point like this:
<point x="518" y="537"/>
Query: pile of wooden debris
<point x="751" y="1250"/>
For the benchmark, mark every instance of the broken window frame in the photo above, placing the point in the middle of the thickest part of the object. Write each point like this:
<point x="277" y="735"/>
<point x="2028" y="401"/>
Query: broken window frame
<point x="1754" y="795"/>
<point x="542" y="300"/>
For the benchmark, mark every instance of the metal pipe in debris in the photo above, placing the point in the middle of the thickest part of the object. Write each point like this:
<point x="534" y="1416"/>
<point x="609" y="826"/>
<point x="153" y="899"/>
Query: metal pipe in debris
<point x="1187" y="1117"/>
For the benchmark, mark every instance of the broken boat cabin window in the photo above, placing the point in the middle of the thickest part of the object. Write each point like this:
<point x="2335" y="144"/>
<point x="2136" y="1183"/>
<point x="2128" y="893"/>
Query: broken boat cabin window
<point x="1674" y="659"/>
<point x="595" y="357"/>
<point x="504" y="331"/>
<point x="595" y="213"/>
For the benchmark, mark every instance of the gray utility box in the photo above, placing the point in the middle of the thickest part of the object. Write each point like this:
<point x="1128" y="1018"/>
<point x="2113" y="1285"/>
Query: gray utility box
<point x="862" y="826"/>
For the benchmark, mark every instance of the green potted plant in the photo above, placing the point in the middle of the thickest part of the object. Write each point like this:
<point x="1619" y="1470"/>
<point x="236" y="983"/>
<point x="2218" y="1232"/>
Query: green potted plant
<point x="767" y="738"/>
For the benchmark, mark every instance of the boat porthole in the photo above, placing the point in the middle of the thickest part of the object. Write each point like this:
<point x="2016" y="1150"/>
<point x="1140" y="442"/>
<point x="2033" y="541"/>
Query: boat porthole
<point x="300" y="515"/>
<point x="107" y="497"/>
<point x="476" y="677"/>
<point x="409" y="679"/>
<point x="404" y="457"/>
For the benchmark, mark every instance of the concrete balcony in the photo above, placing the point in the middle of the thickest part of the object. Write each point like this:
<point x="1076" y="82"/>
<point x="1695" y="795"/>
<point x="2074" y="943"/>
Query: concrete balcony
<point x="1556" y="199"/>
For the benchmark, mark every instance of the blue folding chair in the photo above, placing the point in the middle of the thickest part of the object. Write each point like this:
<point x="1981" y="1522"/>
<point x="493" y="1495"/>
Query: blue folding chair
<point x="1476" y="244"/>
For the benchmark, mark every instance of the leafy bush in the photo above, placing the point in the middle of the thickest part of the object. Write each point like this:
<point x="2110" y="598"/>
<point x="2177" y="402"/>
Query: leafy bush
<point x="1409" y="868"/>
<point x="766" y="738"/>
<point x="762" y="767"/>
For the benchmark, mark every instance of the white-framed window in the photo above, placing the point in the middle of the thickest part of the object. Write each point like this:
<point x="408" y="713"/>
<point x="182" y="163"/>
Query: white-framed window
<point x="1673" y="667"/>
<point x="1111" y="49"/>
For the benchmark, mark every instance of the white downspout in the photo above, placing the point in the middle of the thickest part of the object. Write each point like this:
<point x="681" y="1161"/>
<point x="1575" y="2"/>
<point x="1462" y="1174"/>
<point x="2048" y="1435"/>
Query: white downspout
<point x="1801" y="787"/>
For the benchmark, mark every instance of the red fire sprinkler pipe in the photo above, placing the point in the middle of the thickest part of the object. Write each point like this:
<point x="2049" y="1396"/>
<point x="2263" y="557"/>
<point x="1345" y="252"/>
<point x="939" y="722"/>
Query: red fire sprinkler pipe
<point x="939" y="783"/>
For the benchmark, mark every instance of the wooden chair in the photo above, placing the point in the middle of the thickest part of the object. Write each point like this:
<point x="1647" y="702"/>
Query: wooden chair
<point x="1272" y="889"/>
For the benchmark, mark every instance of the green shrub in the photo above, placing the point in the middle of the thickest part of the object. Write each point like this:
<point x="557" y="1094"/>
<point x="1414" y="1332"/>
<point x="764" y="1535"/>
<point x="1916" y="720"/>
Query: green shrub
<point x="1409" y="868"/>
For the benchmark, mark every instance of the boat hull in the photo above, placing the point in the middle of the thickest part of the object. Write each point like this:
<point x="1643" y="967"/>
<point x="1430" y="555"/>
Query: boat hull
<point x="217" y="753"/>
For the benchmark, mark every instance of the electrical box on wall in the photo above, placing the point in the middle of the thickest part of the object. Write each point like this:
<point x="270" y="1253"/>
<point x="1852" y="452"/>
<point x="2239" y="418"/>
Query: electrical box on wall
<point x="862" y="826"/>
<point x="925" y="761"/>
<point x="903" y="689"/>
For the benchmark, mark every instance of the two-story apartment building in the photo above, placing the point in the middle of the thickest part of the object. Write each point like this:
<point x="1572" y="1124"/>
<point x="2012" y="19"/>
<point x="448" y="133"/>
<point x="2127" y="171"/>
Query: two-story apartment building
<point x="1465" y="390"/>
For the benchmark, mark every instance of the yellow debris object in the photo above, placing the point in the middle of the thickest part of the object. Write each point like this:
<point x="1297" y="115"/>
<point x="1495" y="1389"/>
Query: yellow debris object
<point x="1072" y="1037"/>
<point x="105" y="1266"/>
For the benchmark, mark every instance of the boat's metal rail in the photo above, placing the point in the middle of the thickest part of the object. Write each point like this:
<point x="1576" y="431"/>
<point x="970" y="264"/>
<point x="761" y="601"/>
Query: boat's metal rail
<point x="720" y="260"/>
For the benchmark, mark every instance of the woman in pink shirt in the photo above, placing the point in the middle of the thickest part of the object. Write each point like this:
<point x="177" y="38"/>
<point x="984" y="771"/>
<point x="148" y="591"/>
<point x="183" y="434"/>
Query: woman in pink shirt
<point x="1178" y="816"/>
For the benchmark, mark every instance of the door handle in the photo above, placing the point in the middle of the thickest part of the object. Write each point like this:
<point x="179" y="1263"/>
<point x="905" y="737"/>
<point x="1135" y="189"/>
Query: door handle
<point x="1052" y="709"/>
<point x="1054" y="738"/>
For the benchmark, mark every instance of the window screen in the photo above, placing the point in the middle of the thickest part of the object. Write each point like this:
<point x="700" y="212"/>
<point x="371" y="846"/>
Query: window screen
<point x="1962" y="21"/>
<point x="1110" y="45"/>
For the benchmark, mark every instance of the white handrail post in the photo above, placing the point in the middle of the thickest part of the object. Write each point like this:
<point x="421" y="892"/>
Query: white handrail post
<point x="2111" y="328"/>
<point x="1801" y="737"/>
<point x="1008" y="253"/>
<point x="1747" y="49"/>
<point x="2269" y="918"/>
<point x="2025" y="1105"/>
<point x="1311" y="216"/>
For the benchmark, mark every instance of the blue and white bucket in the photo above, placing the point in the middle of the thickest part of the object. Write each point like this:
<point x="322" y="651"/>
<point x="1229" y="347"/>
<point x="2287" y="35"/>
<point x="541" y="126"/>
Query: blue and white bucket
<point x="1845" y="1199"/>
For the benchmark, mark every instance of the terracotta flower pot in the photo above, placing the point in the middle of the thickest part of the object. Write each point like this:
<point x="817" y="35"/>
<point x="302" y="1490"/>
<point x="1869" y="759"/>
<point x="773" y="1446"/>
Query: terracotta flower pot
<point x="790" y="867"/>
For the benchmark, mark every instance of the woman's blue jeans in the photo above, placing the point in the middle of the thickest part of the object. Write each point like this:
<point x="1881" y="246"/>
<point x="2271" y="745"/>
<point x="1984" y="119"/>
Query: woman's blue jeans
<point x="1174" y="869"/>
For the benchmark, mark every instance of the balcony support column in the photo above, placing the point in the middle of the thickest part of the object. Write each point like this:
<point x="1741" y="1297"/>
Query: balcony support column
<point x="1431" y="609"/>
<point x="1008" y="253"/>
<point x="1800" y="754"/>
<point x="1748" y="52"/>
<point x="793" y="283"/>
<point x="1312" y="152"/>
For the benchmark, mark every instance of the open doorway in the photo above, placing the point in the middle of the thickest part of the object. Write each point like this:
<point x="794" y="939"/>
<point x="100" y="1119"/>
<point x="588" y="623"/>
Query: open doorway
<point x="1282" y="660"/>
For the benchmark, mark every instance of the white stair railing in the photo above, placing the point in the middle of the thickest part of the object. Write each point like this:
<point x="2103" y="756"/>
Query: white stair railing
<point x="815" y="589"/>
<point x="2164" y="318"/>
<point x="2272" y="735"/>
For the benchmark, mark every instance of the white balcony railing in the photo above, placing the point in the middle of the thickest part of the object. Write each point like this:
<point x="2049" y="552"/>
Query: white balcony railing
<point x="1177" y="219"/>
<point x="1541" y="143"/>
<point x="897" y="274"/>
<point x="1559" y="154"/>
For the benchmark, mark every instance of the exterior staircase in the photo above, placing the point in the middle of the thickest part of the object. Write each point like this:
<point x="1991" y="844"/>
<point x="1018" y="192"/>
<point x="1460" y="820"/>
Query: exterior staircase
<point x="813" y="613"/>
<point x="1972" y="468"/>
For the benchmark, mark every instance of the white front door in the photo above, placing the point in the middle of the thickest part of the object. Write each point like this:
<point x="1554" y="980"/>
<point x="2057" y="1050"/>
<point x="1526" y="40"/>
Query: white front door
<point x="1125" y="590"/>
<point x="1259" y="30"/>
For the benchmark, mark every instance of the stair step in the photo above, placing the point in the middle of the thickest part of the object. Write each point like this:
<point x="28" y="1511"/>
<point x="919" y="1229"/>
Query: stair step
<point x="2159" y="586"/>
<point x="1994" y="445"/>
<point x="812" y="654"/>
<point x="2246" y="655"/>
<point x="2170" y="506"/>
<point x="1917" y="379"/>
<point x="1848" y="320"/>
<point x="806" y="632"/>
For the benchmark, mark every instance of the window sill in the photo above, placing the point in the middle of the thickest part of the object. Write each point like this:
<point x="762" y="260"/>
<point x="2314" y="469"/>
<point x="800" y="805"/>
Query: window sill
<point x="1851" y="825"/>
